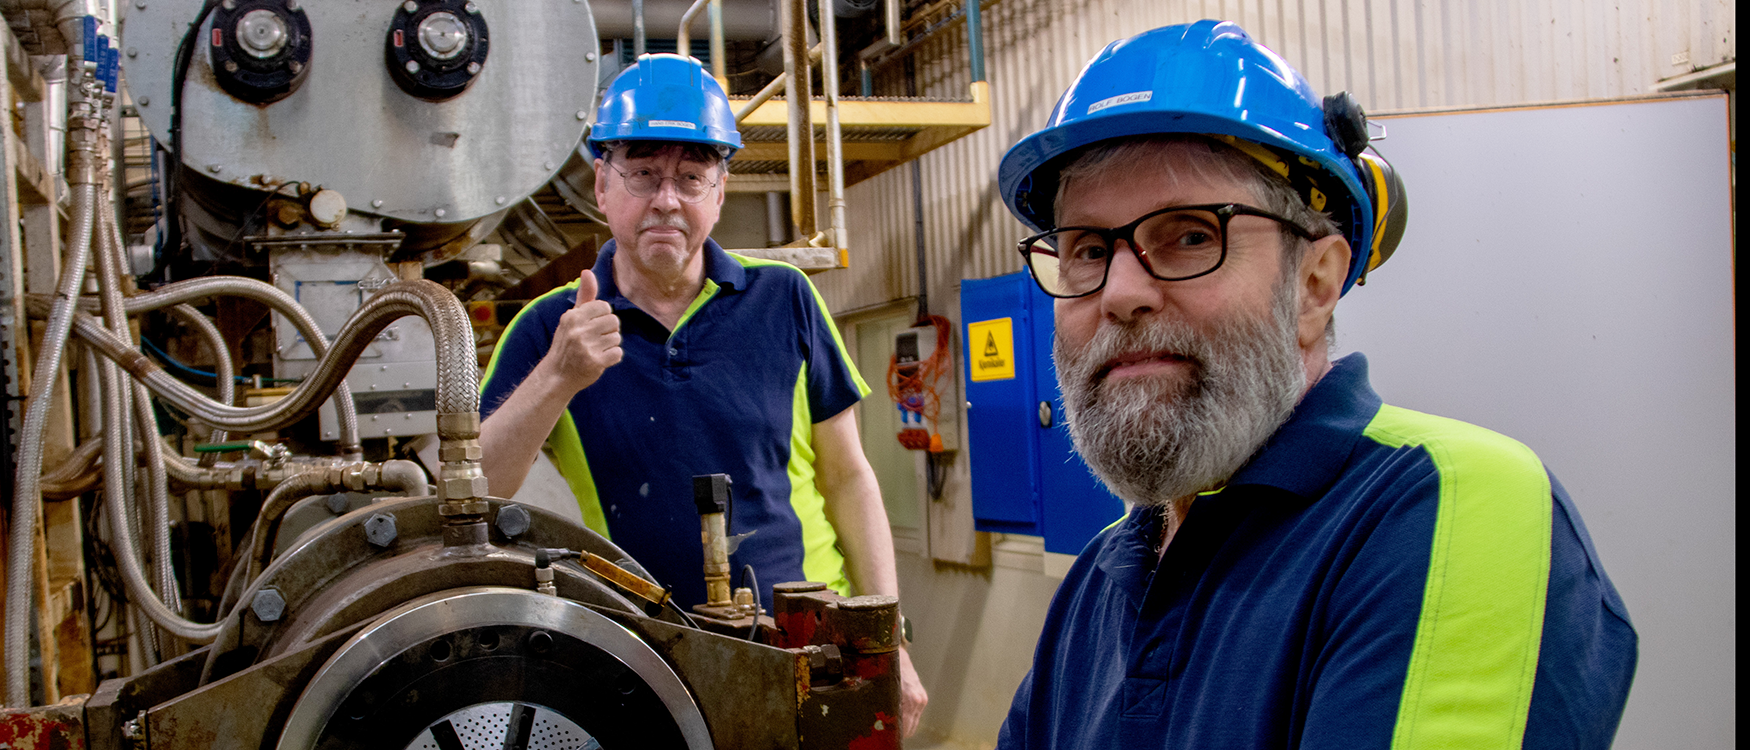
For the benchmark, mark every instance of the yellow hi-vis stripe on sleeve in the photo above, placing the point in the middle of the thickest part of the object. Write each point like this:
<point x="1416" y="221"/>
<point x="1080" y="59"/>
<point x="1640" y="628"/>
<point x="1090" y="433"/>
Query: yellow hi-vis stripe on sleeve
<point x="1475" y="655"/>
<point x="821" y="559"/>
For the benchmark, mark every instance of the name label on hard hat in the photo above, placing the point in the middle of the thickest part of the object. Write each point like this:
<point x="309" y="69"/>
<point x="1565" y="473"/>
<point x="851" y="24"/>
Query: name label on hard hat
<point x="1130" y="98"/>
<point x="673" y="124"/>
<point x="991" y="345"/>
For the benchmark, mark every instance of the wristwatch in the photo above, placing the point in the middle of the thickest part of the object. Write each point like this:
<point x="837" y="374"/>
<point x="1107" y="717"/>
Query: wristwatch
<point x="904" y="631"/>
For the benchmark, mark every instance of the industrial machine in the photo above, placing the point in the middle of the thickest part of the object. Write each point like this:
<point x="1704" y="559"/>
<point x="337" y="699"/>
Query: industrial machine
<point x="278" y="570"/>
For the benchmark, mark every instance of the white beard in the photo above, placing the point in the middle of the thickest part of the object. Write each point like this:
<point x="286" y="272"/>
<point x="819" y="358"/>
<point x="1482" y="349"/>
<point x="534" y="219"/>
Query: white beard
<point x="1156" y="439"/>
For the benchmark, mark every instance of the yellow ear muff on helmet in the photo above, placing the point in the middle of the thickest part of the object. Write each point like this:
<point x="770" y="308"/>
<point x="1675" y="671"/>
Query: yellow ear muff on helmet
<point x="1391" y="208"/>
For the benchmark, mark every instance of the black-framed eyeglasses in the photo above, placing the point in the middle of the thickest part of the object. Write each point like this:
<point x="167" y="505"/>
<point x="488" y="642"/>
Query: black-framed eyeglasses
<point x="1173" y="244"/>
<point x="690" y="186"/>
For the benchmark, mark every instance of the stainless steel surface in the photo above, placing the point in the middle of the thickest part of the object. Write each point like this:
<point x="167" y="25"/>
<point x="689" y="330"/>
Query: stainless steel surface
<point x="331" y="277"/>
<point x="743" y="20"/>
<point x="350" y="128"/>
<point x="445" y="612"/>
<point x="487" y="727"/>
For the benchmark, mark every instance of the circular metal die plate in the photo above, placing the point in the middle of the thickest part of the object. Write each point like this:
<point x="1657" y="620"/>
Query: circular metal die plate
<point x="423" y="648"/>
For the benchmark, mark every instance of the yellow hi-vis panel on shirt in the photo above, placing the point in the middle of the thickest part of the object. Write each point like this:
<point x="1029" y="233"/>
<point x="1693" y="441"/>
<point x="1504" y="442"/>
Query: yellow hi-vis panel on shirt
<point x="991" y="345"/>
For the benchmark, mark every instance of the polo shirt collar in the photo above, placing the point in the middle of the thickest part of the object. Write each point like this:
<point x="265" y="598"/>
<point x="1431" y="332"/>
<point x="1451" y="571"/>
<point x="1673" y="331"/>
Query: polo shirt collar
<point x="720" y="267"/>
<point x="1308" y="453"/>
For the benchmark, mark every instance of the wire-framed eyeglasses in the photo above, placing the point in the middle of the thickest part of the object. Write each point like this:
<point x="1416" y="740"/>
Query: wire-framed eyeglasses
<point x="1172" y="244"/>
<point x="690" y="186"/>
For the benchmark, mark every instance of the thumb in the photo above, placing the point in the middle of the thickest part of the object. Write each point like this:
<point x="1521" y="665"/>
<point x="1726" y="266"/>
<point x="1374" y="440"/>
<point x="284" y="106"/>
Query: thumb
<point x="586" y="287"/>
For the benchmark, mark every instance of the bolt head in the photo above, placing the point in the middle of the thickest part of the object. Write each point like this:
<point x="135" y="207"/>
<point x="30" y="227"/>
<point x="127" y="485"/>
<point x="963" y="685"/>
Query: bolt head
<point x="268" y="605"/>
<point x="133" y="52"/>
<point x="410" y="6"/>
<point x="145" y="100"/>
<point x="513" y="519"/>
<point x="378" y="203"/>
<point x="471" y="8"/>
<point x="499" y="200"/>
<point x="440" y="213"/>
<point x="337" y="503"/>
<point x="473" y="68"/>
<point x="230" y="66"/>
<point x="412" y="66"/>
<point x="582" y="114"/>
<point x="380" y="530"/>
<point x="215" y="168"/>
<point x="590" y="56"/>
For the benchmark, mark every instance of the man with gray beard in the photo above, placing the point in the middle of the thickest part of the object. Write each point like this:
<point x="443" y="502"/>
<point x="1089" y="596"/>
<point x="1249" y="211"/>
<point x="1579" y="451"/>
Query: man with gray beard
<point x="1303" y="566"/>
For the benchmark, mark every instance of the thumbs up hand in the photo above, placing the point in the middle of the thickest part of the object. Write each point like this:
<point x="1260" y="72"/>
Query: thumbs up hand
<point x="587" y="341"/>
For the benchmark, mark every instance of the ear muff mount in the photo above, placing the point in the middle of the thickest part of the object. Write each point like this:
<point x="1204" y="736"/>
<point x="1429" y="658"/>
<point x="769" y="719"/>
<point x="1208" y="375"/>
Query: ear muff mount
<point x="1346" y="123"/>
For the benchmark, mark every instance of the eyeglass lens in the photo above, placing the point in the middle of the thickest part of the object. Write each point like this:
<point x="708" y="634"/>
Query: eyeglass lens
<point x="691" y="186"/>
<point x="1174" y="245"/>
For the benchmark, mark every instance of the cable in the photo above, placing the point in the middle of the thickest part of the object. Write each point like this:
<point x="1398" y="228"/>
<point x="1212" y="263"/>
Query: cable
<point x="178" y="77"/>
<point x="747" y="574"/>
<point x="158" y="353"/>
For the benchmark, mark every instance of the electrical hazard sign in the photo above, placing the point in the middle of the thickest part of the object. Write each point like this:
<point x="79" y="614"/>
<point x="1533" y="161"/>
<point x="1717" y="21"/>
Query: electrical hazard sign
<point x="992" y="349"/>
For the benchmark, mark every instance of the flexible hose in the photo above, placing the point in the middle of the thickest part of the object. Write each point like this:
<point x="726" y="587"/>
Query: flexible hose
<point x="223" y="371"/>
<point x="75" y="476"/>
<point x="157" y="495"/>
<point x="27" y="482"/>
<point x="458" y="377"/>
<point x="181" y="292"/>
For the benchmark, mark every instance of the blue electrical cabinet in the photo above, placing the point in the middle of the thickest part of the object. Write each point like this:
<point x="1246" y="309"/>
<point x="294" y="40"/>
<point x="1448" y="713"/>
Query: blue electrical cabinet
<point x="1026" y="476"/>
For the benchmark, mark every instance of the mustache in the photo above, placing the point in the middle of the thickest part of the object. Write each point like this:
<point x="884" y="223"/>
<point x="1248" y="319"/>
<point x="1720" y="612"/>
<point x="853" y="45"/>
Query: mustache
<point x="673" y="221"/>
<point x="1091" y="362"/>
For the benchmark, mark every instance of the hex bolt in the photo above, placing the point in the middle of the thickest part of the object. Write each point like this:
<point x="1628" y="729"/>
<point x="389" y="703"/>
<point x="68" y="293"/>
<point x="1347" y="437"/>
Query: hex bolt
<point x="513" y="520"/>
<point x="268" y="605"/>
<point x="380" y="529"/>
<point x="338" y="504"/>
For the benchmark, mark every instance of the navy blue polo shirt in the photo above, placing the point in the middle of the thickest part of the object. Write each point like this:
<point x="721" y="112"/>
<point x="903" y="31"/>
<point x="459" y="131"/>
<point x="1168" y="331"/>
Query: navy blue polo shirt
<point x="1374" y="578"/>
<point x="735" y="388"/>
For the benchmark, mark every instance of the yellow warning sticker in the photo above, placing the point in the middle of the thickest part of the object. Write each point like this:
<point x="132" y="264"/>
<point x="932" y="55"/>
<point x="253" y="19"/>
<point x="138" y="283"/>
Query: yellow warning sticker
<point x="992" y="345"/>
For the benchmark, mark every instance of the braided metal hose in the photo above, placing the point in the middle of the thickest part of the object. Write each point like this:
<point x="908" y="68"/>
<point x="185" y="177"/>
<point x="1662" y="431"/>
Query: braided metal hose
<point x="27" y="482"/>
<point x="170" y="295"/>
<point x="223" y="371"/>
<point x="458" y="377"/>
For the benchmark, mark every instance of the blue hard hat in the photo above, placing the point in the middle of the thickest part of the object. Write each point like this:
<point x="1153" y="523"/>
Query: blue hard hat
<point x="664" y="97"/>
<point x="1208" y="77"/>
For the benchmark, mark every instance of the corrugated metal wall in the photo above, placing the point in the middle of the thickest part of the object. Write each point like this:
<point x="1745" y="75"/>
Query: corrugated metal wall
<point x="1392" y="54"/>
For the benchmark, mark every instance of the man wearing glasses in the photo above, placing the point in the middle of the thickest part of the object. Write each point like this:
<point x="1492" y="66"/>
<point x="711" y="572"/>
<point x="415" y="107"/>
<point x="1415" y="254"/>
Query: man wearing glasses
<point x="1303" y="566"/>
<point x="673" y="358"/>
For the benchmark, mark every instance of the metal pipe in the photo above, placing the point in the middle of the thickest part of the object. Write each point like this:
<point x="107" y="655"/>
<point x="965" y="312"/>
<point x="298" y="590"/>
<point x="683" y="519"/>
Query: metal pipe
<point x="683" y="39"/>
<point x="157" y="492"/>
<point x="917" y="209"/>
<point x="719" y="66"/>
<point x="781" y="82"/>
<point x="892" y="18"/>
<point x="975" y="39"/>
<point x="637" y="29"/>
<point x="835" y="149"/>
<point x="27" y="500"/>
<point x="800" y="129"/>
